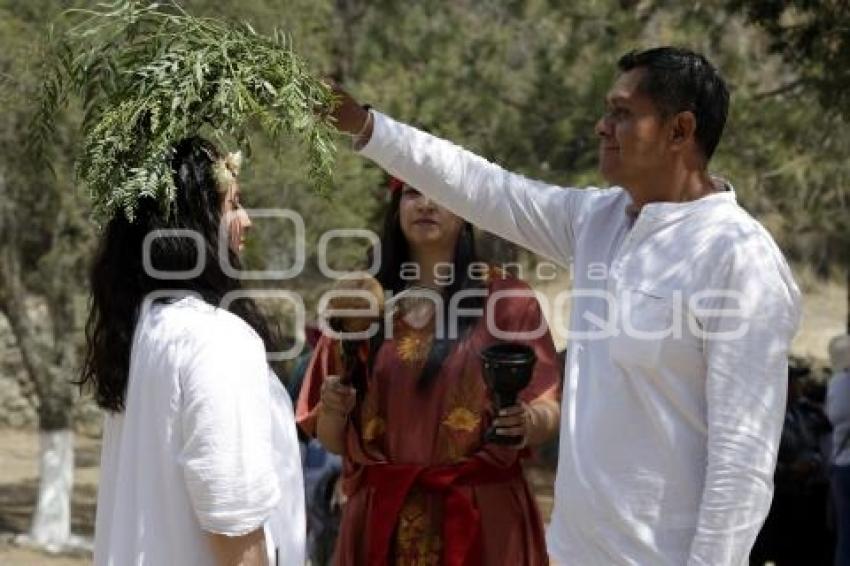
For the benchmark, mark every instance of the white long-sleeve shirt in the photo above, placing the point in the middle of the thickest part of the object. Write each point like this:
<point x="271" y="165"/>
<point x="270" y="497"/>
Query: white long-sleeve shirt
<point x="669" y="430"/>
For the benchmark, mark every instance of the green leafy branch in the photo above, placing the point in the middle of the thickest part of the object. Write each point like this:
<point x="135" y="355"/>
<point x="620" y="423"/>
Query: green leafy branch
<point x="150" y="76"/>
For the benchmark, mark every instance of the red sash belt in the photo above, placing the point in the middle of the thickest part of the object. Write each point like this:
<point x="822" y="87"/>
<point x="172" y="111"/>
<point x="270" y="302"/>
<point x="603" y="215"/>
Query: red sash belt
<point x="461" y="519"/>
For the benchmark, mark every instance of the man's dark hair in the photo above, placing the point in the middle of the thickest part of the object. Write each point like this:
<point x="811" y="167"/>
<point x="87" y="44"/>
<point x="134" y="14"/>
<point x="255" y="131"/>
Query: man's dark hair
<point x="679" y="80"/>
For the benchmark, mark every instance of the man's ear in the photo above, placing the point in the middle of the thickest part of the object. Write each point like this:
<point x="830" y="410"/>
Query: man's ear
<point x="683" y="128"/>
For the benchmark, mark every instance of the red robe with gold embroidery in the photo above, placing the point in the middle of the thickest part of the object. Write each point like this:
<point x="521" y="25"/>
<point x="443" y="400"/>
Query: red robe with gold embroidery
<point x="399" y="423"/>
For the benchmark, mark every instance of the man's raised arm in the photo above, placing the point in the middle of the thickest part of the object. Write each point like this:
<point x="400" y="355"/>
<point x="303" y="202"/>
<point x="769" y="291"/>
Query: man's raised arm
<point x="532" y="214"/>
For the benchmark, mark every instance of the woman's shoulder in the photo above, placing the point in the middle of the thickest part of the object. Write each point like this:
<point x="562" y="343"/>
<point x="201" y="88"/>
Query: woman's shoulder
<point x="498" y="279"/>
<point x="508" y="296"/>
<point x="193" y="319"/>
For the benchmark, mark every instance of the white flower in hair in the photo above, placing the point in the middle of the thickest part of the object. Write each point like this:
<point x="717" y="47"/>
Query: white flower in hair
<point x="226" y="170"/>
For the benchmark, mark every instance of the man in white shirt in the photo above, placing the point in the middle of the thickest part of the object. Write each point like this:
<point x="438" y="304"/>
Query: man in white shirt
<point x="675" y="386"/>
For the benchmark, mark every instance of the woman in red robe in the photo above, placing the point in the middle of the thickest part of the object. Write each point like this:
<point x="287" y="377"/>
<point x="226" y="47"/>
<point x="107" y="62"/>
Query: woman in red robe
<point x="422" y="485"/>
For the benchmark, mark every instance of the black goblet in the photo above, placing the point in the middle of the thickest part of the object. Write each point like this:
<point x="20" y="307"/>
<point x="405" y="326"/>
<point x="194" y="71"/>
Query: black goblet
<point x="508" y="367"/>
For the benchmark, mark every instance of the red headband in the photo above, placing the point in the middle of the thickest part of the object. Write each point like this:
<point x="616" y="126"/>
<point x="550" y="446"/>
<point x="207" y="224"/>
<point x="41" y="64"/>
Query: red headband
<point x="395" y="184"/>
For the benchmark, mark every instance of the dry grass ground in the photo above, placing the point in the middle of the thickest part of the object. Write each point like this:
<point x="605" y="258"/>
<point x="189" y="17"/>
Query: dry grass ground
<point x="18" y="489"/>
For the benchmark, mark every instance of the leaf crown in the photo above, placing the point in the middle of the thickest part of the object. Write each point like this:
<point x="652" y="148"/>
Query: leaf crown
<point x="151" y="76"/>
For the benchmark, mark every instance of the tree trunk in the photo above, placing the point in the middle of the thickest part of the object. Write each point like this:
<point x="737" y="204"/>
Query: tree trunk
<point x="48" y="350"/>
<point x="55" y="392"/>
<point x="51" y="525"/>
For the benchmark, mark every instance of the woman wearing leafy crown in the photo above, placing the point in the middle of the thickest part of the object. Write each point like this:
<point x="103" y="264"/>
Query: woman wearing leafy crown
<point x="200" y="462"/>
<point x="422" y="485"/>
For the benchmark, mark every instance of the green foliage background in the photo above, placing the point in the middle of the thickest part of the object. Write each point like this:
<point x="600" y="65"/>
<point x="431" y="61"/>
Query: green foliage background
<point x="149" y="76"/>
<point x="521" y="82"/>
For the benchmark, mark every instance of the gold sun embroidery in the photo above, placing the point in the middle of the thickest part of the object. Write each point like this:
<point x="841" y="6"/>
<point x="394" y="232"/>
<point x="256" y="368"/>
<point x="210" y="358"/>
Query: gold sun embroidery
<point x="465" y="404"/>
<point x="413" y="348"/>
<point x="374" y="428"/>
<point x="462" y="419"/>
<point x="419" y="544"/>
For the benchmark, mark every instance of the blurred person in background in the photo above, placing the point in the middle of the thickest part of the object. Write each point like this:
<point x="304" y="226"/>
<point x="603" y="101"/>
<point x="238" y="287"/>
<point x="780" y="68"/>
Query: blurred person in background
<point x="796" y="532"/>
<point x="322" y="470"/>
<point x="838" y="411"/>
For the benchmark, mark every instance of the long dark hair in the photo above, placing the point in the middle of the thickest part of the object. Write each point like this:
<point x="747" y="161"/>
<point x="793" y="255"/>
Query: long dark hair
<point x="395" y="251"/>
<point x="120" y="283"/>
